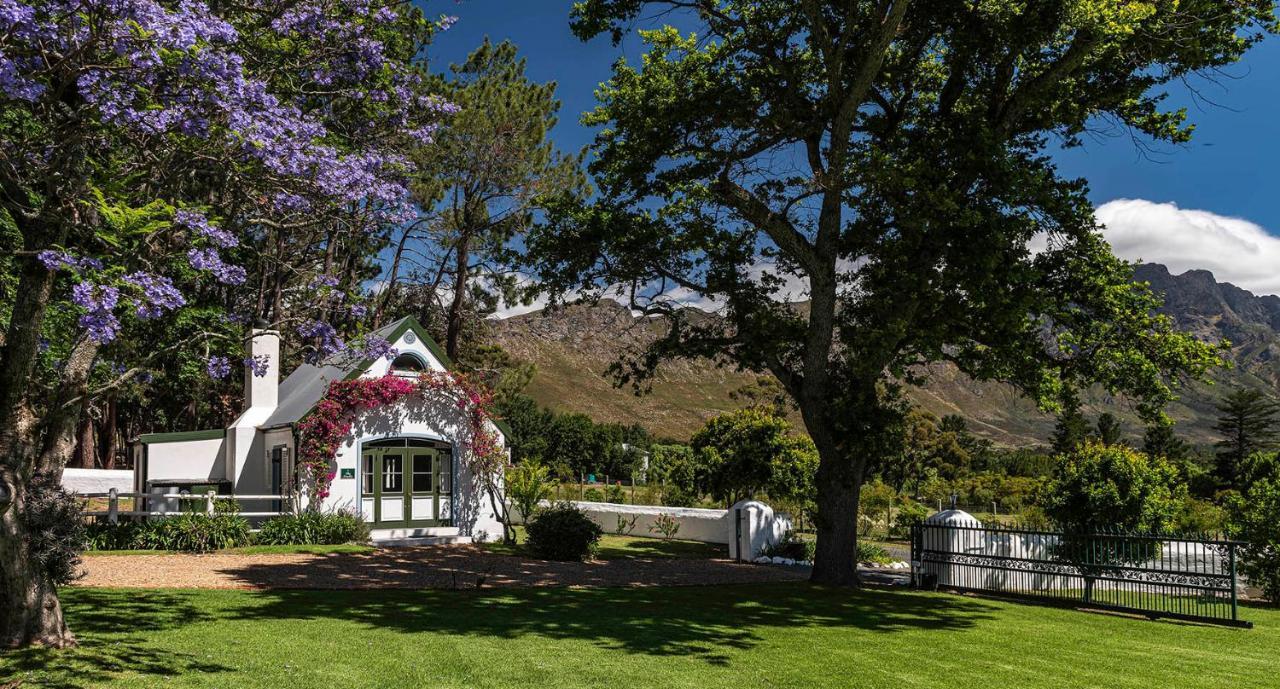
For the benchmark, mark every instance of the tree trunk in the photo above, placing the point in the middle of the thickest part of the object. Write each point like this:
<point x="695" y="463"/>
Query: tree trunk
<point x="30" y="613"/>
<point x="108" y="435"/>
<point x="839" y="484"/>
<point x="85" y="446"/>
<point x="454" y="331"/>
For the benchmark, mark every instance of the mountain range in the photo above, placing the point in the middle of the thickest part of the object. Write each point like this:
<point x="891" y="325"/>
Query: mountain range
<point x="572" y="347"/>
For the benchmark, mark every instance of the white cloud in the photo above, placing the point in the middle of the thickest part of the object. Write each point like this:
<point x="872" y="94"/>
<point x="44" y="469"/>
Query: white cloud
<point x="1233" y="249"/>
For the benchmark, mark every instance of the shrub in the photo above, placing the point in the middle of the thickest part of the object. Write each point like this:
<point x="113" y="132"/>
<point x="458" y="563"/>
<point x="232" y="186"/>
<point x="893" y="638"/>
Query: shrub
<point x="563" y="532"/>
<point x="593" y="495"/>
<point x="54" y="525"/>
<point x="909" y="514"/>
<point x="615" y="494"/>
<point x="666" y="525"/>
<point x="527" y="485"/>
<point x="189" y="532"/>
<point x="1255" y="519"/>
<point x="626" y="526"/>
<point x="195" y="533"/>
<point x="791" y="546"/>
<point x="314" y="528"/>
<point x="1200" y="517"/>
<point x="675" y="496"/>
<point x="873" y="553"/>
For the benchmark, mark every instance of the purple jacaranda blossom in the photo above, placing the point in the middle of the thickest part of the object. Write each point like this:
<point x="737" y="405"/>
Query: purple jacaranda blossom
<point x="198" y="223"/>
<point x="446" y="22"/>
<point x="99" y="303"/>
<point x="157" y="294"/>
<point x="57" y="260"/>
<point x="376" y="347"/>
<point x="326" y="340"/>
<point x="358" y="310"/>
<point x="258" y="363"/>
<point x="208" y="259"/>
<point x="324" y="281"/>
<point x="218" y="367"/>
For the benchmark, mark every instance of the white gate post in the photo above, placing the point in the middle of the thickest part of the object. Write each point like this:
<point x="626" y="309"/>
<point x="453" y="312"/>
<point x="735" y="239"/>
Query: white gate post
<point x="113" y="505"/>
<point x="208" y="503"/>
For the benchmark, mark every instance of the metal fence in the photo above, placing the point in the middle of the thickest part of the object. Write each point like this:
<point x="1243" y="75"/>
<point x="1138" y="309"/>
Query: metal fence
<point x="1153" y="575"/>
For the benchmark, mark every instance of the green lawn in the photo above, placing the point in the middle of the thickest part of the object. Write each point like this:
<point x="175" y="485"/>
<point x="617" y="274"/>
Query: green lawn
<point x="794" y="635"/>
<point x="614" y="547"/>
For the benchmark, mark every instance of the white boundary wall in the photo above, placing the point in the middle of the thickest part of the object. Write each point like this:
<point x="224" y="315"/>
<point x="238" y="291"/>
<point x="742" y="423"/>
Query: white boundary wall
<point x="97" y="480"/>
<point x="761" y="527"/>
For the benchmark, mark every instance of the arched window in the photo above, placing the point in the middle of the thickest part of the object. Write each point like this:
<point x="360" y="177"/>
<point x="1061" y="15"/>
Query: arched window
<point x="408" y="363"/>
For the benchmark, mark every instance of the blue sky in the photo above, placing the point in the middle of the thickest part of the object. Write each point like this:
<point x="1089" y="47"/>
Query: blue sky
<point x="1214" y="198"/>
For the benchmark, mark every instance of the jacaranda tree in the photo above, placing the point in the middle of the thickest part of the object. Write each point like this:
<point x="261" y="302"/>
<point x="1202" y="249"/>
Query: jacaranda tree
<point x="885" y="162"/>
<point x="148" y="151"/>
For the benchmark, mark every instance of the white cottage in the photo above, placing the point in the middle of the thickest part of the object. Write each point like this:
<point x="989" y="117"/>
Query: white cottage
<point x="403" y="466"/>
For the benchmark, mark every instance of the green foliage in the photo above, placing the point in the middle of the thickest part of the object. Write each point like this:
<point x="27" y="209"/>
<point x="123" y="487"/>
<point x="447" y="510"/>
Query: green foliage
<point x="666" y="525"/>
<point x="1197" y="516"/>
<point x="892" y="159"/>
<point x="188" y="532"/>
<point x="1071" y="429"/>
<point x="873" y="553"/>
<point x="593" y="495"/>
<point x="1160" y="440"/>
<point x="910" y="513"/>
<point x="572" y="441"/>
<point x="877" y="500"/>
<point x="793" y="547"/>
<point x="614" y="493"/>
<point x="675" y="496"/>
<point x="625" y="526"/>
<point x="527" y="485"/>
<point x="1247" y="425"/>
<point x="1107" y="487"/>
<point x="673" y="467"/>
<point x="563" y="532"/>
<point x="55" y="529"/>
<point x="751" y="451"/>
<point x="1108" y="430"/>
<point x="314" y="528"/>
<point x="1255" y="519"/>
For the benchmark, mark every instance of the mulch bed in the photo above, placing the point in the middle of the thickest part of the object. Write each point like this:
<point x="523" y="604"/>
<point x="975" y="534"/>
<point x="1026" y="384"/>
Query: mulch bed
<point x="448" y="566"/>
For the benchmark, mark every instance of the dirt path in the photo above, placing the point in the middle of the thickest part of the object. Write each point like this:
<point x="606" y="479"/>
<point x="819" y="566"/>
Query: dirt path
<point x="453" y="566"/>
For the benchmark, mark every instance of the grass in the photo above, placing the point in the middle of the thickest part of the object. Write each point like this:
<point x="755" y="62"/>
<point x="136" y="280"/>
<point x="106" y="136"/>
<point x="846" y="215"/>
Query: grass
<point x="615" y="547"/>
<point x="791" y="635"/>
<point x="252" y="550"/>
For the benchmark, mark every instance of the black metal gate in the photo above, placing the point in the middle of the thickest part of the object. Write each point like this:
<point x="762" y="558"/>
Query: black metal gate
<point x="1150" y="574"/>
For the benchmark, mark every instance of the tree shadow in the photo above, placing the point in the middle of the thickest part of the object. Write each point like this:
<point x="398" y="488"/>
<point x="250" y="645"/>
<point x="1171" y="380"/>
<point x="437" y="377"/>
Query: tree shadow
<point x="702" y="622"/>
<point x="111" y="627"/>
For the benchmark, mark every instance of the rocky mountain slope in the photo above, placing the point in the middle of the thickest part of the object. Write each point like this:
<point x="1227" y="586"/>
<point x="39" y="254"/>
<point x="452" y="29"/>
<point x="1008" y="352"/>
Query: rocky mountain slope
<point x="573" y="347"/>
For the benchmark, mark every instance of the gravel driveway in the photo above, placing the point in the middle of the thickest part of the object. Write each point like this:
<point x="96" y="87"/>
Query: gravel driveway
<point x="450" y="566"/>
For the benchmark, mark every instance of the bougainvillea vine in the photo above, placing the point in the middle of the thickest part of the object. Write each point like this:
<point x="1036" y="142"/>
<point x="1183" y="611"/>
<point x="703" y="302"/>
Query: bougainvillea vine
<point x="323" y="432"/>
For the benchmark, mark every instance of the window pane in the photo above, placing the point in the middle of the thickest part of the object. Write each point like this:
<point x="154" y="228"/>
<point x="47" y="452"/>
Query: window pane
<point x="422" y="473"/>
<point x="392" y="474"/>
<point x="446" y="471"/>
<point x="366" y="475"/>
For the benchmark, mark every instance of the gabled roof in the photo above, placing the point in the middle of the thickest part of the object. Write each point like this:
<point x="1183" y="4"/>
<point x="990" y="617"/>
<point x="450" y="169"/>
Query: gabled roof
<point x="307" y="384"/>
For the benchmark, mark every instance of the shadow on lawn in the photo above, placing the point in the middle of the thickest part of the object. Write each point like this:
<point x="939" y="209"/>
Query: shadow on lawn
<point x="110" y="626"/>
<point x="703" y="622"/>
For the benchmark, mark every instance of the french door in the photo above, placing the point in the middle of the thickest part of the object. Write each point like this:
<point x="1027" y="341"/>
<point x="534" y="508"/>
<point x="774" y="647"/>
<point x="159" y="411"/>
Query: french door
<point x="406" y="482"/>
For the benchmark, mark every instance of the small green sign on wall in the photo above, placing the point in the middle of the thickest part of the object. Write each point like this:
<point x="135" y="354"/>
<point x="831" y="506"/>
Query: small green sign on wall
<point x="348" y="473"/>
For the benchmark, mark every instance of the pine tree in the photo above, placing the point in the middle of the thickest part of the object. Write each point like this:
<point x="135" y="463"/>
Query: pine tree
<point x="1108" y="429"/>
<point x="1160" y="441"/>
<point x="1072" y="428"/>
<point x="1247" y="425"/>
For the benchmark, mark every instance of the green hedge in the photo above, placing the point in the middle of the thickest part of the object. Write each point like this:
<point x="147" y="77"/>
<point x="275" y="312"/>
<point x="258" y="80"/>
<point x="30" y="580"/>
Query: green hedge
<point x="192" y="533"/>
<point x="314" y="528"/>
<point x="563" y="532"/>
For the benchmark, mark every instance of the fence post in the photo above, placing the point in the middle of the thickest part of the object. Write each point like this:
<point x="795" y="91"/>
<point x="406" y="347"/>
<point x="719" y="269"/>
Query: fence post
<point x="208" y="503"/>
<point x="113" y="506"/>
<point x="1235" y="596"/>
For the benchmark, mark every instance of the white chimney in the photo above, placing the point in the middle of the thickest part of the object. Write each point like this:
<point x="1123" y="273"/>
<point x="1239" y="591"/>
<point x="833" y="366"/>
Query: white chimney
<point x="262" y="391"/>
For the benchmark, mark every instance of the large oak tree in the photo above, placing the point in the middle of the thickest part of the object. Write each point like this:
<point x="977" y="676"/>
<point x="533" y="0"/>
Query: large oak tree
<point x="862" y="187"/>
